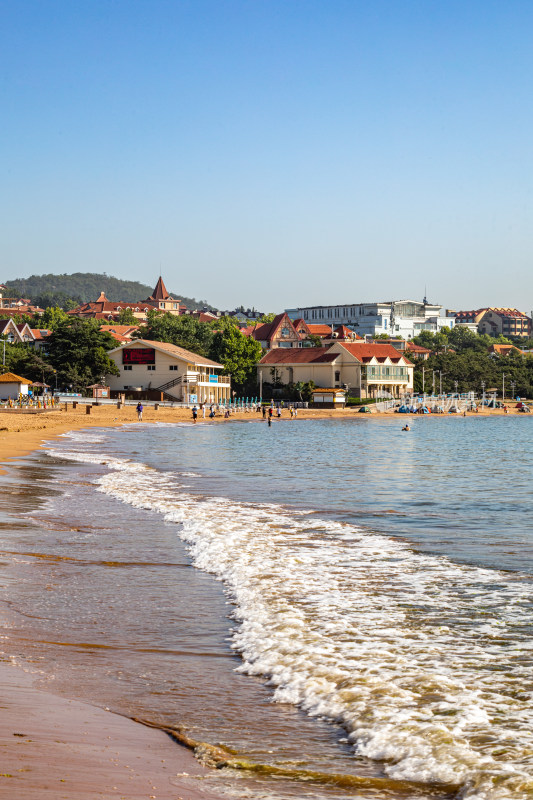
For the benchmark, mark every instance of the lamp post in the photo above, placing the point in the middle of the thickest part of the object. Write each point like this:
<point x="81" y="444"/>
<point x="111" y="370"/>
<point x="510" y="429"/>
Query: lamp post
<point x="456" y="384"/>
<point x="483" y="394"/>
<point x="440" y="381"/>
<point x="503" y="387"/>
<point x="513" y="384"/>
<point x="433" y="385"/>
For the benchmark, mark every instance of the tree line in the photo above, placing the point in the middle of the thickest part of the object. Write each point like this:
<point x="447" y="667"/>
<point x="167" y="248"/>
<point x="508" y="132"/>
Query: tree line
<point x="69" y="291"/>
<point x="76" y="352"/>
<point x="460" y="357"/>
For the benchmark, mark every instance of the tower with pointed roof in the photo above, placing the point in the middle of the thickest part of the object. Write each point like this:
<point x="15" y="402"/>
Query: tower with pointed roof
<point x="163" y="301"/>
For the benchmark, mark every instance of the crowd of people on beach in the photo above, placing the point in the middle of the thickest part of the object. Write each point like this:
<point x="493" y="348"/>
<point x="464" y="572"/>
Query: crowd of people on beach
<point x="268" y="412"/>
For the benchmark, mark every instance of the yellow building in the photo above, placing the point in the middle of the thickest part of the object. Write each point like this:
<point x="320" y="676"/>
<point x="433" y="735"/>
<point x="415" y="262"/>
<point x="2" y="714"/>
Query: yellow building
<point x="366" y="369"/>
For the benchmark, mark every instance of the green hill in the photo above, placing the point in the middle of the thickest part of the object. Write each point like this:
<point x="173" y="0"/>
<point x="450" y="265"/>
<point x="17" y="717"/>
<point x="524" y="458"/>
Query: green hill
<point x="82" y="287"/>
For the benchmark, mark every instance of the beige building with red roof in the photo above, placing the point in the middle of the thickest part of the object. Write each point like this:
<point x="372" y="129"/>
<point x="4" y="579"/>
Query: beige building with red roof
<point x="495" y="321"/>
<point x="162" y="371"/>
<point x="367" y="369"/>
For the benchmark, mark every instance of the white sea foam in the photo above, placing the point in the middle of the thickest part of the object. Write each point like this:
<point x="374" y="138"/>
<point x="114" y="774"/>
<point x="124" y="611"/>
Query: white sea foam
<point x="426" y="663"/>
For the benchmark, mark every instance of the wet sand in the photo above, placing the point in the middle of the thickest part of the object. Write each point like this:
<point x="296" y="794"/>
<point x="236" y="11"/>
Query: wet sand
<point x="53" y="748"/>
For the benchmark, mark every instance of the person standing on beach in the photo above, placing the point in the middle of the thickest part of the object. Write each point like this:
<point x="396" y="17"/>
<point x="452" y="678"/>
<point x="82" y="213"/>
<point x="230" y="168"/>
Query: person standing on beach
<point x="194" y="414"/>
<point x="264" y="412"/>
<point x="270" y="420"/>
<point x="139" y="410"/>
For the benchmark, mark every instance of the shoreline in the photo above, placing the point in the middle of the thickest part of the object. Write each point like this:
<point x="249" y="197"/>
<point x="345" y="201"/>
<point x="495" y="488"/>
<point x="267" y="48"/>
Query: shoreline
<point x="55" y="748"/>
<point x="22" y="433"/>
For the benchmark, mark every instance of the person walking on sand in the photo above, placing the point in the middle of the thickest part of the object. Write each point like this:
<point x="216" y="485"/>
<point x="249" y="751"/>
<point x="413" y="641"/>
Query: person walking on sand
<point x="279" y="412"/>
<point x="194" y="414"/>
<point x="139" y="410"/>
<point x="270" y="420"/>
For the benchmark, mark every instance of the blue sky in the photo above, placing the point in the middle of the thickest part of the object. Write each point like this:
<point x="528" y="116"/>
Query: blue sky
<point x="272" y="153"/>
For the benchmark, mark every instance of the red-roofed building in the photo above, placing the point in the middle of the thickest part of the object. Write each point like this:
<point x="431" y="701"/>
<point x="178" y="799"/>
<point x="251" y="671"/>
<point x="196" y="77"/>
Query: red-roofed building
<point x="416" y="351"/>
<point x="367" y="369"/>
<point x="159" y="370"/>
<point x="280" y="333"/>
<point x="102" y="308"/>
<point x="504" y="350"/>
<point x="495" y="321"/>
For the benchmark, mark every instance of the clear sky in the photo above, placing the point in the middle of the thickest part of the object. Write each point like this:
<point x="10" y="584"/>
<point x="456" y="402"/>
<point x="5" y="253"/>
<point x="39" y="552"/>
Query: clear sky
<point x="272" y="152"/>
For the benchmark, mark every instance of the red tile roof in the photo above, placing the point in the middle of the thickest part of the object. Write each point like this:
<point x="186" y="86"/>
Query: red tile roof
<point x="367" y="351"/>
<point x="299" y="355"/>
<point x="173" y="350"/>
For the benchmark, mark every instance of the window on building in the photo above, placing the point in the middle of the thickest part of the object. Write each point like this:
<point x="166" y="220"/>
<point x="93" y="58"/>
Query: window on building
<point x="337" y="376"/>
<point x="127" y="367"/>
<point x="284" y="331"/>
<point x="150" y="367"/>
<point x="173" y="367"/>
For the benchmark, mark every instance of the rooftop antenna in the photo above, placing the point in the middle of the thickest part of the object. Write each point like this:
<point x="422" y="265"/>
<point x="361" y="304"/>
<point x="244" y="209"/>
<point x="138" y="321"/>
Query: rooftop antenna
<point x="425" y="301"/>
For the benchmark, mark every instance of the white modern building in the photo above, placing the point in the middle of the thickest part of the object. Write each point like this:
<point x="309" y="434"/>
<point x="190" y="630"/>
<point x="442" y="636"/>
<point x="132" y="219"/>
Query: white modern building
<point x="405" y="318"/>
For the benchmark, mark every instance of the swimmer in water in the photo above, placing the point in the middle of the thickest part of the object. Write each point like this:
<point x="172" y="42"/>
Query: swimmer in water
<point x="406" y="427"/>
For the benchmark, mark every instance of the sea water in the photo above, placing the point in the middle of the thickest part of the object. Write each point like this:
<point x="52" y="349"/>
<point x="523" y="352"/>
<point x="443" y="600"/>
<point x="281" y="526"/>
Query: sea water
<point x="344" y="607"/>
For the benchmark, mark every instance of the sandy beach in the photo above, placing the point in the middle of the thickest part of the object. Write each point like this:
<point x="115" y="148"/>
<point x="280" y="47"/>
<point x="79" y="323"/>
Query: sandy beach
<point x="54" y="748"/>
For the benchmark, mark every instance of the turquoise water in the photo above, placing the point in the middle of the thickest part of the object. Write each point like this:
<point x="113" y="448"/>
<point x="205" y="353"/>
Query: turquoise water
<point x="324" y="597"/>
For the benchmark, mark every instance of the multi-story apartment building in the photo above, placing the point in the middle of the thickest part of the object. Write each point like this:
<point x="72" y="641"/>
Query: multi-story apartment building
<point x="495" y="321"/>
<point x="405" y="318"/>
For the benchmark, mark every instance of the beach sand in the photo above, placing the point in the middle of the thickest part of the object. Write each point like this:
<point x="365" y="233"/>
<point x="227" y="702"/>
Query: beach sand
<point x="56" y="748"/>
<point x="53" y="748"/>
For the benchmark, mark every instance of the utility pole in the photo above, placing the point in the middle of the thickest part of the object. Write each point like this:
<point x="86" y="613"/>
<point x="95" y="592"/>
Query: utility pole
<point x="423" y="380"/>
<point x="503" y="387"/>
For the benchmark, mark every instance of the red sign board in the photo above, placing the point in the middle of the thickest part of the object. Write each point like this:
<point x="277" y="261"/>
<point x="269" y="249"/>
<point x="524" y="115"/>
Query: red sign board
<point x="138" y="355"/>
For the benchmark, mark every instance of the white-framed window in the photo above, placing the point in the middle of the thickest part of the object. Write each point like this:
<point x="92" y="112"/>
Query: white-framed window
<point x="151" y="367"/>
<point x="173" y="367"/>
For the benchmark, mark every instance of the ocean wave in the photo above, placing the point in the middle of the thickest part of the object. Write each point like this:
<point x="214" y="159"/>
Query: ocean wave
<point x="424" y="662"/>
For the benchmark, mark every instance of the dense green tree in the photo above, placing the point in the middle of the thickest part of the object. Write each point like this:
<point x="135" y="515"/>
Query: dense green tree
<point x="50" y="319"/>
<point x="264" y="318"/>
<point x="86" y="286"/>
<point x="472" y="366"/>
<point x="239" y="354"/>
<point x="77" y="349"/>
<point x="24" y="360"/>
<point x="225" y="322"/>
<point x="127" y="317"/>
<point x="184" y="331"/>
<point x="52" y="299"/>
